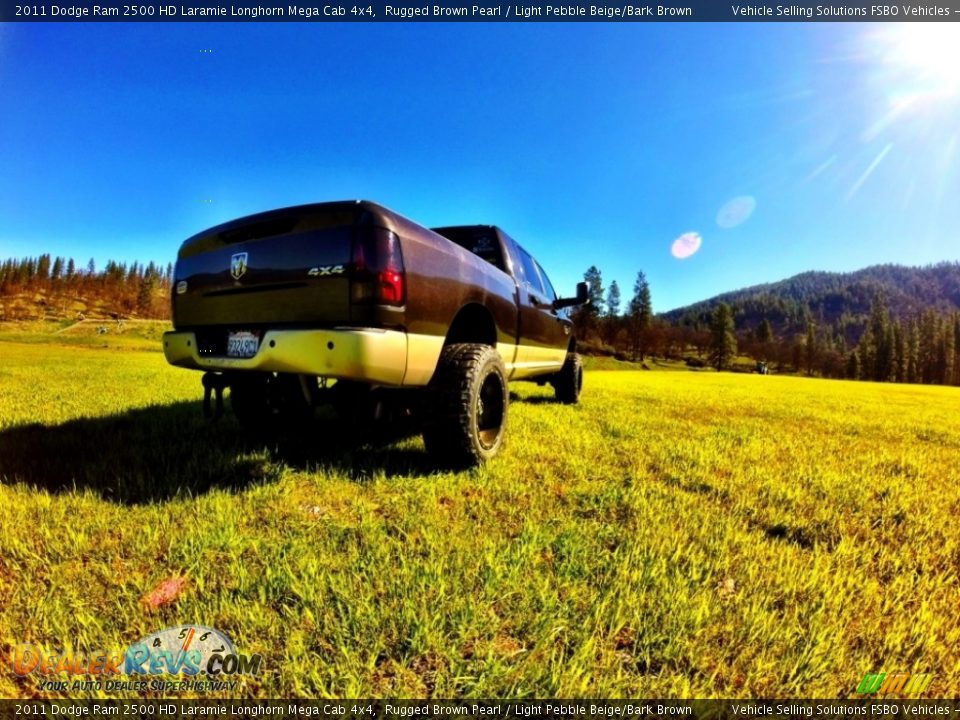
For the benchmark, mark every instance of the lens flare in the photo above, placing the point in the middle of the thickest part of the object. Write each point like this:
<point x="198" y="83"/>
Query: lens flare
<point x="736" y="212"/>
<point x="686" y="245"/>
<point x="869" y="171"/>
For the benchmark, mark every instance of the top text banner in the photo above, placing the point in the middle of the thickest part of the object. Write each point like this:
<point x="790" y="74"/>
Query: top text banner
<point x="478" y="11"/>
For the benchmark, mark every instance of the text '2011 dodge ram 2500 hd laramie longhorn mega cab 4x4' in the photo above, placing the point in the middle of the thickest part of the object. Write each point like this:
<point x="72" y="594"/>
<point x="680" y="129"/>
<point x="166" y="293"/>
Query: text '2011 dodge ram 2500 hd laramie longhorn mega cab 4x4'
<point x="276" y="305"/>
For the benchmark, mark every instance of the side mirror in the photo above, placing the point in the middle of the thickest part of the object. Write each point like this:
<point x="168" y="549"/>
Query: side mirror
<point x="583" y="293"/>
<point x="582" y="298"/>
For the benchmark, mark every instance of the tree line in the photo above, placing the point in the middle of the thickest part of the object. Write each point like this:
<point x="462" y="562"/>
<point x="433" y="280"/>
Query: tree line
<point x="921" y="347"/>
<point x="838" y="303"/>
<point x="139" y="288"/>
<point x="604" y="330"/>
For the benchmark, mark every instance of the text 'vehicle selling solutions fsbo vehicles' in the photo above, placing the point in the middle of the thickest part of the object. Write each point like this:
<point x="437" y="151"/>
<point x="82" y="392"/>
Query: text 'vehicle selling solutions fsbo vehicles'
<point x="277" y="305"/>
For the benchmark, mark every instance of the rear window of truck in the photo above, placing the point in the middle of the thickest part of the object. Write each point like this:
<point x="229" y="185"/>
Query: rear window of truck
<point x="482" y="242"/>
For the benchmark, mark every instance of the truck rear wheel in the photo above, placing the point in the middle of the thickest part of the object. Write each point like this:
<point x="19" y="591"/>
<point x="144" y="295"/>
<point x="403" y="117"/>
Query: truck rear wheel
<point x="568" y="383"/>
<point x="467" y="405"/>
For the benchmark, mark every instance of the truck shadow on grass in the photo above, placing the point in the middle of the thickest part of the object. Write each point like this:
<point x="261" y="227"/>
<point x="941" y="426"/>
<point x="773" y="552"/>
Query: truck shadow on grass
<point x="157" y="453"/>
<point x="534" y="399"/>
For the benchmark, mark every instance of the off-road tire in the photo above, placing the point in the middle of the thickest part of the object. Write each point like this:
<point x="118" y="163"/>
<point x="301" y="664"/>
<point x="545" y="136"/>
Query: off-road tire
<point x="568" y="382"/>
<point x="466" y="405"/>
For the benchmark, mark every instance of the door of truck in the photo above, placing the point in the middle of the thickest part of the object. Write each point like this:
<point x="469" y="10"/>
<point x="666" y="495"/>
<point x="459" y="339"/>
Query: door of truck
<point x="543" y="333"/>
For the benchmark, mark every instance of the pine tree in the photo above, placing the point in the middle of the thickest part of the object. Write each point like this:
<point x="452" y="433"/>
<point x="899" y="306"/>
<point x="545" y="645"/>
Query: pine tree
<point x="764" y="332"/>
<point x="611" y="320"/>
<point x="853" y="366"/>
<point x="899" y="353"/>
<point x="586" y="317"/>
<point x="43" y="267"/>
<point x="956" y="349"/>
<point x="913" y="353"/>
<point x="879" y="326"/>
<point x="867" y="350"/>
<point x="145" y="294"/>
<point x="723" y="340"/>
<point x="811" y="348"/>
<point x="928" y="348"/>
<point x="613" y="300"/>
<point x="949" y="355"/>
<point x="641" y="315"/>
<point x="595" y="281"/>
<point x="840" y="343"/>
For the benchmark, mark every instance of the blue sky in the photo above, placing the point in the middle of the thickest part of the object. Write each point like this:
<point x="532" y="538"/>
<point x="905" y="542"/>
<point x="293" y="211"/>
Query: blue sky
<point x="591" y="144"/>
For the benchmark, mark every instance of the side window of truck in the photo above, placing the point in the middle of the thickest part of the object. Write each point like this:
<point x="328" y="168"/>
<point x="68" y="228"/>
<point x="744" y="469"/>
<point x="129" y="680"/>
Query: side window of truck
<point x="547" y="285"/>
<point x="530" y="274"/>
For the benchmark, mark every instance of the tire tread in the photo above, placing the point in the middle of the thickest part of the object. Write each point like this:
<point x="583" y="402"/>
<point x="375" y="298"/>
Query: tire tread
<point x="448" y="433"/>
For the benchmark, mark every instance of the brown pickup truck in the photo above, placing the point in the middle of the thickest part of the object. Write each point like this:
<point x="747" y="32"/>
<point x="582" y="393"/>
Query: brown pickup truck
<point x="277" y="305"/>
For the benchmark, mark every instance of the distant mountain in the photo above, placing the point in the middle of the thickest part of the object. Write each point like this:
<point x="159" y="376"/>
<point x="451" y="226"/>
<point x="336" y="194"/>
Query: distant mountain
<point x="840" y="300"/>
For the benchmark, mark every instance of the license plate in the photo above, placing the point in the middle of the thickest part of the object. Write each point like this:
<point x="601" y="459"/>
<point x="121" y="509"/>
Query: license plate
<point x="242" y="344"/>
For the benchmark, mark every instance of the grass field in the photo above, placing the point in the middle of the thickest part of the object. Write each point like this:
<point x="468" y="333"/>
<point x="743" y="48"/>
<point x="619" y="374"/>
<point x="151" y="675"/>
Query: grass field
<point x="676" y="534"/>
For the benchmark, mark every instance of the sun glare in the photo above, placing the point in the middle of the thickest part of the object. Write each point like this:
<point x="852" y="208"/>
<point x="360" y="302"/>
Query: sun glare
<point x="925" y="56"/>
<point x="909" y="103"/>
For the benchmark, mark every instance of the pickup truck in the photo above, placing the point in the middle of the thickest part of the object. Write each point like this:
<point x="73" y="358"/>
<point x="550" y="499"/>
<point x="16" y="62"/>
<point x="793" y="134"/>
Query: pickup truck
<point x="342" y="302"/>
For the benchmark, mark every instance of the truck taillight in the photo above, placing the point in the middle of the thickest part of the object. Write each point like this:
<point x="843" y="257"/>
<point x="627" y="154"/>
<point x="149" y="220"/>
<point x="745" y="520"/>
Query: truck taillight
<point x="391" y="287"/>
<point x="376" y="270"/>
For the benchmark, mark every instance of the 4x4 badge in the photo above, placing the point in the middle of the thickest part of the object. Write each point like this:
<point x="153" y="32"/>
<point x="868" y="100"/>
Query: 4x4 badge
<point x="238" y="265"/>
<point x="325" y="270"/>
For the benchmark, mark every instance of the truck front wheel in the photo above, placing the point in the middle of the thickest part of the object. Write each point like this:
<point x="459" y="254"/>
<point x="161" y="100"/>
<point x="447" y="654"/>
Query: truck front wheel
<point x="467" y="408"/>
<point x="568" y="383"/>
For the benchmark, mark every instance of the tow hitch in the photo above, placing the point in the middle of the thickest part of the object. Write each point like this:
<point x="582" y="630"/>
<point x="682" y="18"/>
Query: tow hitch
<point x="217" y="382"/>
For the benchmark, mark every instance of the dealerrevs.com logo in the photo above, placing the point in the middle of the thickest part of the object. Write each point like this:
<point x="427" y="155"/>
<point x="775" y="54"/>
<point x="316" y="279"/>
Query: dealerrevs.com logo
<point x="186" y="657"/>
<point x="897" y="683"/>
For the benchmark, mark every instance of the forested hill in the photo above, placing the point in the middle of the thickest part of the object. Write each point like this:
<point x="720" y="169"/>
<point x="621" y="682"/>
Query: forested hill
<point x="841" y="300"/>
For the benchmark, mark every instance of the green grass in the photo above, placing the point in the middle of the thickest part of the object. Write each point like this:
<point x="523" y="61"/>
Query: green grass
<point x="104" y="334"/>
<point x="676" y="534"/>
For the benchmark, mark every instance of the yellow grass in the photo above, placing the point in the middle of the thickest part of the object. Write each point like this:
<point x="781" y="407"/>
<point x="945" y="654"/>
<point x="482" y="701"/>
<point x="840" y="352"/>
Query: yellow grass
<point x="676" y="534"/>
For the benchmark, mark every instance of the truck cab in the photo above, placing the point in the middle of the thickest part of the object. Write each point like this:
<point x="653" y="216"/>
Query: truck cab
<point x="544" y="330"/>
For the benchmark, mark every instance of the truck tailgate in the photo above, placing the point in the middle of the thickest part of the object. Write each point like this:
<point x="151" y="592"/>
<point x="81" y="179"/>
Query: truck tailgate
<point x="283" y="271"/>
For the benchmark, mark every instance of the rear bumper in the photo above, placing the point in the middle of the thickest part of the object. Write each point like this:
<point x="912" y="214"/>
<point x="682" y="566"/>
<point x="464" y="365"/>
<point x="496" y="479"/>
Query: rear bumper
<point x="373" y="356"/>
